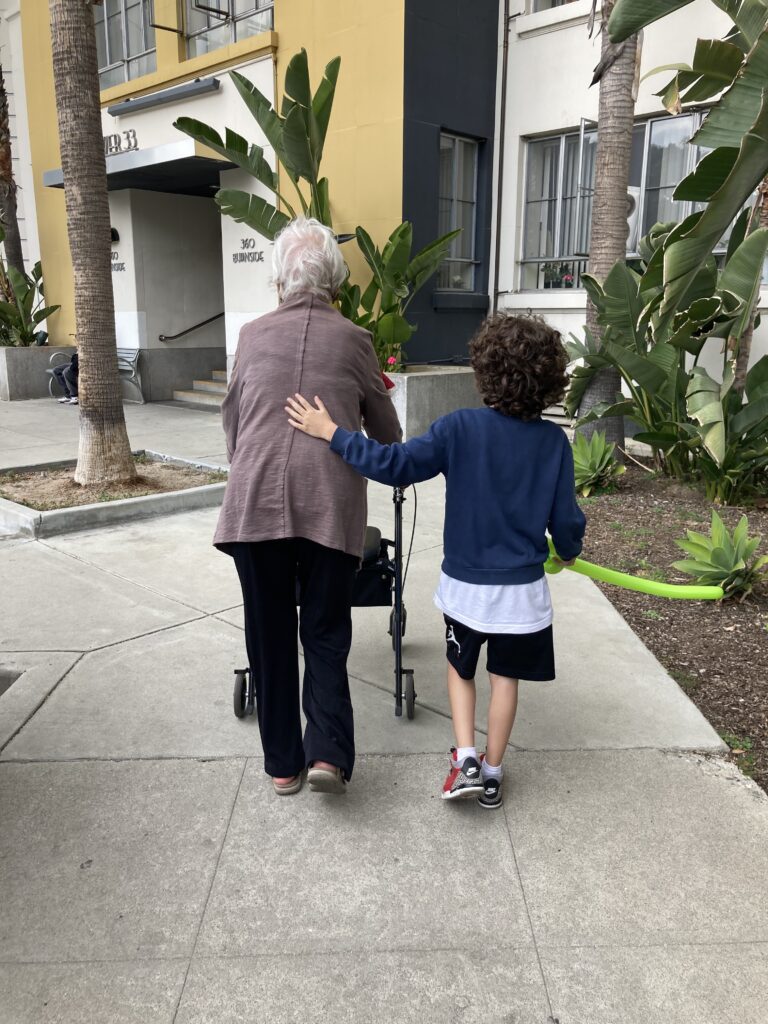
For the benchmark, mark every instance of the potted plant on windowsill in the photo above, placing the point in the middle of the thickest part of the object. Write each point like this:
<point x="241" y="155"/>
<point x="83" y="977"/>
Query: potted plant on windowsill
<point x="551" y="275"/>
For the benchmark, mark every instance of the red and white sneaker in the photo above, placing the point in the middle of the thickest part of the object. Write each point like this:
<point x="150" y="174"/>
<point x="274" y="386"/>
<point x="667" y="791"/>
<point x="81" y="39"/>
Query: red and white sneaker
<point x="463" y="780"/>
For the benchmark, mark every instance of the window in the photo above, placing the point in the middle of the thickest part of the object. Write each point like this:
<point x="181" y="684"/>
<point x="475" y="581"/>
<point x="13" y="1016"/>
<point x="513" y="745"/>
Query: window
<point x="560" y="177"/>
<point x="546" y="5"/>
<point x="458" y="202"/>
<point x="212" y="24"/>
<point x="125" y="40"/>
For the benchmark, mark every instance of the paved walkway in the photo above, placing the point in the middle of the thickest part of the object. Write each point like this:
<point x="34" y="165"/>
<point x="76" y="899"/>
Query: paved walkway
<point x="148" y="874"/>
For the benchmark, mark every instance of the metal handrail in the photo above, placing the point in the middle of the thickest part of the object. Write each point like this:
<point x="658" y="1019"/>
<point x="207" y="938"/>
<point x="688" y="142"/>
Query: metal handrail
<point x="173" y="337"/>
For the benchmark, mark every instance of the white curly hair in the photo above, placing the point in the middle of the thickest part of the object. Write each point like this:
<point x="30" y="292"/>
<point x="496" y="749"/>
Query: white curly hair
<point x="306" y="259"/>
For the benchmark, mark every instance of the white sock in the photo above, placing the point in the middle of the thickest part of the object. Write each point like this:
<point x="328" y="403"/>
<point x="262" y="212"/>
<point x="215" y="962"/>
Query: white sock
<point x="490" y="771"/>
<point x="464" y="752"/>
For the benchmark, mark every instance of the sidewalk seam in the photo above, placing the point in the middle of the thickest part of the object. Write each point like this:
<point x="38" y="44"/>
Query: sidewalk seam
<point x="37" y="707"/>
<point x="551" y="1013"/>
<point x="210" y="890"/>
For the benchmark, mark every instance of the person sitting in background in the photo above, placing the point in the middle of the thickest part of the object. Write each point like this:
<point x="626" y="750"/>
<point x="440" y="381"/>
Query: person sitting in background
<point x="67" y="378"/>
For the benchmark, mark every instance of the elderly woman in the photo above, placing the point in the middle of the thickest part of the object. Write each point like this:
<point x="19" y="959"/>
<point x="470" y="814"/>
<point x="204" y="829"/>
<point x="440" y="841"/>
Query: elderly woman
<point x="294" y="513"/>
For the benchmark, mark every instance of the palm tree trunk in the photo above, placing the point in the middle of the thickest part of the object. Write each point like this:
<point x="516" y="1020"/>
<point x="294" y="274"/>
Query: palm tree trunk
<point x="104" y="454"/>
<point x="13" y="253"/>
<point x="608" y="228"/>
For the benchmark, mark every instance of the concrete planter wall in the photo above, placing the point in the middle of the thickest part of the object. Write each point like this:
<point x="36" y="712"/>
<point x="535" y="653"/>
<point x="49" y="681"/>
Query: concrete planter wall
<point x="22" y="371"/>
<point x="425" y="393"/>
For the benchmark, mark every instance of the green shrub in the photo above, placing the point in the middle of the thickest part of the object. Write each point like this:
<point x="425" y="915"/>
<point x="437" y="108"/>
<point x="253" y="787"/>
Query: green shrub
<point x="725" y="559"/>
<point x="595" y="463"/>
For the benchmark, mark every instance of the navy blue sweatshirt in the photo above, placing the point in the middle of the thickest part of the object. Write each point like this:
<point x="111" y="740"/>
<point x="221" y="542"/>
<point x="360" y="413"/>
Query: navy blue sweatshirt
<point x="507" y="483"/>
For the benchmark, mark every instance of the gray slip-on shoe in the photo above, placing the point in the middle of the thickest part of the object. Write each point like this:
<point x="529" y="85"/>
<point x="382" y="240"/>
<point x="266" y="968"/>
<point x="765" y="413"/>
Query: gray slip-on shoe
<point x="322" y="780"/>
<point x="289" y="788"/>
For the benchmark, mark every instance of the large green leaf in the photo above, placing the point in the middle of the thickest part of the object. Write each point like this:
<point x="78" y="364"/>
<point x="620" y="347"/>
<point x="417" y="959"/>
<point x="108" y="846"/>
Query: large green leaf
<point x="234" y="148"/>
<point x="394" y="330"/>
<point x="715" y="65"/>
<point x="43" y="314"/>
<point x="261" y="109"/>
<point x="620" y="306"/>
<point x="396" y="254"/>
<point x="743" y="274"/>
<point x="297" y="148"/>
<point x="629" y="16"/>
<point x="704" y="400"/>
<point x="251" y="210"/>
<point x="749" y="416"/>
<point x="684" y="257"/>
<point x="322" y="103"/>
<point x="738" y="232"/>
<point x="757" y="377"/>
<point x="372" y="256"/>
<point x="733" y="115"/>
<point x="427" y="260"/>
<point x="638" y="368"/>
<point x="710" y="174"/>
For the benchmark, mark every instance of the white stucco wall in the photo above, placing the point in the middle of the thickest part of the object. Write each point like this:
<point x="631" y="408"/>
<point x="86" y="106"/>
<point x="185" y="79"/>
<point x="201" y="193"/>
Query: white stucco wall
<point x="13" y="68"/>
<point x="185" y="259"/>
<point x="551" y="61"/>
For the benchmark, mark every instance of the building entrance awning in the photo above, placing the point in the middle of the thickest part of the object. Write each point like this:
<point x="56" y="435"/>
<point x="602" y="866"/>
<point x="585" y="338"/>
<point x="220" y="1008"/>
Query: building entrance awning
<point x="184" y="167"/>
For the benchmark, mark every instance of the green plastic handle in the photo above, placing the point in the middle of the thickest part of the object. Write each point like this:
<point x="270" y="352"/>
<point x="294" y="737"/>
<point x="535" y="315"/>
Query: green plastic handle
<point x="623" y="579"/>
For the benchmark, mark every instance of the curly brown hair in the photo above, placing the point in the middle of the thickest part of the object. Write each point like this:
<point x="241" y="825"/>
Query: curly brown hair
<point x="519" y="364"/>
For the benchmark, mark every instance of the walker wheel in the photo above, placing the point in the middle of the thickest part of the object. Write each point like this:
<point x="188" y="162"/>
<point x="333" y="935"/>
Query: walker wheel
<point x="410" y="693"/>
<point x="403" y="620"/>
<point x="241" y="694"/>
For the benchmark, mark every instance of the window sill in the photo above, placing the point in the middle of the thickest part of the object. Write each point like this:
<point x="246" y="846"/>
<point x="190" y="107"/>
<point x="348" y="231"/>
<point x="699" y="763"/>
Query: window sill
<point x="555" y="18"/>
<point x="544" y="298"/>
<point x="193" y="67"/>
<point x="460" y="300"/>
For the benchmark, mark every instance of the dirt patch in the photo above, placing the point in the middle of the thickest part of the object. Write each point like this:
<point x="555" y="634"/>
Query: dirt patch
<point x="48" y="489"/>
<point x="717" y="651"/>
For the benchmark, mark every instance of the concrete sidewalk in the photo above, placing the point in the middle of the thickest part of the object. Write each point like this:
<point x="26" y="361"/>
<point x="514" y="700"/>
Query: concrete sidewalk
<point x="148" y="874"/>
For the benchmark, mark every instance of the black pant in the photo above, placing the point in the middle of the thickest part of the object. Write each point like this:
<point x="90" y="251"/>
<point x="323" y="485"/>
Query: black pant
<point x="67" y="378"/>
<point x="268" y="572"/>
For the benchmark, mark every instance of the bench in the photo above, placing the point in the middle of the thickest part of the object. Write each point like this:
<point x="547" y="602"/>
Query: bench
<point x="127" y="366"/>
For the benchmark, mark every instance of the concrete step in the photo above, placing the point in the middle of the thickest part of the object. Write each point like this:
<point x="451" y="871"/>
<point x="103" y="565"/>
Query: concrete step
<point x="558" y="414"/>
<point x="217" y="387"/>
<point x="195" y="397"/>
<point x="219" y="375"/>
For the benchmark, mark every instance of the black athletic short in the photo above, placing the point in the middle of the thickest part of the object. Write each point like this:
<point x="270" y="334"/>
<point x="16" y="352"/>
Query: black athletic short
<point x="514" y="655"/>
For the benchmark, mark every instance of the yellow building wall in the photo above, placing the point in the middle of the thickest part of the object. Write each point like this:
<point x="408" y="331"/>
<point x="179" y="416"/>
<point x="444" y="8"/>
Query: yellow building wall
<point x="363" y="156"/>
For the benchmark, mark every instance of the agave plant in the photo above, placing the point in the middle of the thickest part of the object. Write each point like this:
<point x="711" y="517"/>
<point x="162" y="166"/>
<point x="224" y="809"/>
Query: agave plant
<point x="595" y="463"/>
<point x="725" y="559"/>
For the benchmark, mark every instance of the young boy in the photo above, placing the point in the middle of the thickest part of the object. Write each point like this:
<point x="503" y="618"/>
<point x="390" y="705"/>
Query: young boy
<point x="509" y="479"/>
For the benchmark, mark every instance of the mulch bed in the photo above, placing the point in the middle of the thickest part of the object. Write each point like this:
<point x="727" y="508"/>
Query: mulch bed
<point x="47" y="489"/>
<point x="717" y="651"/>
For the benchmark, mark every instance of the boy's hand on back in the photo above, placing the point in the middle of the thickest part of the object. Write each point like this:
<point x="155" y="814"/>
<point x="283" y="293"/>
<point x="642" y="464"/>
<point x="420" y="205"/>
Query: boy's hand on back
<point x="310" y="419"/>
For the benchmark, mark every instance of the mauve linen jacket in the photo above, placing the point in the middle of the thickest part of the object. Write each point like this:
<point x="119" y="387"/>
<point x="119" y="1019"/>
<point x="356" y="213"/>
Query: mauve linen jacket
<point x="283" y="483"/>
